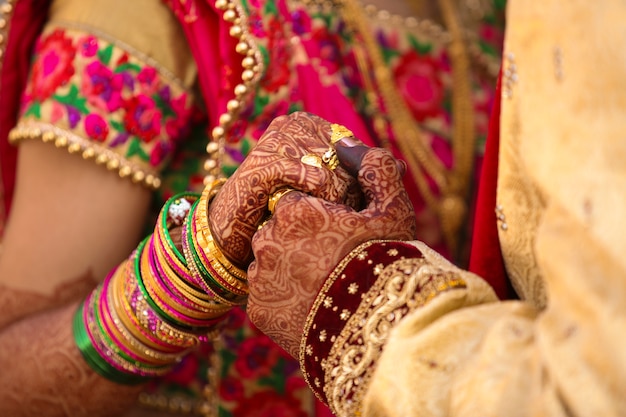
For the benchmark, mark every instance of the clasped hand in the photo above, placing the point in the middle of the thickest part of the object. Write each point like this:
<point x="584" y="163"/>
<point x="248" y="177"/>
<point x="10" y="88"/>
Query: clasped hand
<point x="312" y="229"/>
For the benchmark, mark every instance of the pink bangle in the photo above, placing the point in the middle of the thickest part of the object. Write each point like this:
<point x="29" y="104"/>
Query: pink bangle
<point x="149" y="319"/>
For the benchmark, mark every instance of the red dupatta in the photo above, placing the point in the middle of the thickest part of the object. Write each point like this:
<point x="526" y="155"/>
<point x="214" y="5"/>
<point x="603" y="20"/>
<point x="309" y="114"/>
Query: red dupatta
<point x="486" y="257"/>
<point x="25" y="19"/>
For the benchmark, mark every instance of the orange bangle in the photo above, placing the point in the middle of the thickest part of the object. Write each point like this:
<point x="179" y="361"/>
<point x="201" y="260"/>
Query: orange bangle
<point x="163" y="331"/>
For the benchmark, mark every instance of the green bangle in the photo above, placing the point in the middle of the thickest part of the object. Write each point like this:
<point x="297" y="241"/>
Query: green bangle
<point x="164" y="215"/>
<point x="106" y="338"/>
<point x="158" y="310"/>
<point x="93" y="358"/>
<point x="208" y="278"/>
<point x="192" y="250"/>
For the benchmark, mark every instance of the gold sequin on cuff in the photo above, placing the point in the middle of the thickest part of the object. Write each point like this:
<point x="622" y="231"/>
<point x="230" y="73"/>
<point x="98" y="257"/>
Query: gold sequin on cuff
<point x="87" y="149"/>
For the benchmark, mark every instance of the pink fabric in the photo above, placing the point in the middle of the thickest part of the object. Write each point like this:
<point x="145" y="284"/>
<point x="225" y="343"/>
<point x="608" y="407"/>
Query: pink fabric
<point x="329" y="103"/>
<point x="213" y="48"/>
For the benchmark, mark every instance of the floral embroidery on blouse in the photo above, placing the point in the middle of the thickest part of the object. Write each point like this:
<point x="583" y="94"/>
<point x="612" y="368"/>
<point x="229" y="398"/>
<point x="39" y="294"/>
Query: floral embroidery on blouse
<point x="420" y="65"/>
<point x="100" y="92"/>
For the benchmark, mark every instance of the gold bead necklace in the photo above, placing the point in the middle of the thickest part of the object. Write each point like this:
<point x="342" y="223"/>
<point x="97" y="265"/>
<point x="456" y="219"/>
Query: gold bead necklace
<point x="450" y="206"/>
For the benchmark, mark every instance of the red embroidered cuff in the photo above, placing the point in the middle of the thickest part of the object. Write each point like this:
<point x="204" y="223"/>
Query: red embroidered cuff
<point x="367" y="294"/>
<point x="339" y="298"/>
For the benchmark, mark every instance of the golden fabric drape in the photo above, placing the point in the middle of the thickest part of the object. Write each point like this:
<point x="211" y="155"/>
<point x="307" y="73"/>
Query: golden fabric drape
<point x="561" y="196"/>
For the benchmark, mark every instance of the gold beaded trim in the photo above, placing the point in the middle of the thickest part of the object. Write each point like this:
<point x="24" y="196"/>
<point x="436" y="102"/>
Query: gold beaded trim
<point x="401" y="288"/>
<point x="75" y="144"/>
<point x="6" y="9"/>
<point x="253" y="68"/>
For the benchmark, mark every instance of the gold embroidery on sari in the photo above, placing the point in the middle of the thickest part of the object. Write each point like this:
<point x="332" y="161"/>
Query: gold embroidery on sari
<point x="519" y="199"/>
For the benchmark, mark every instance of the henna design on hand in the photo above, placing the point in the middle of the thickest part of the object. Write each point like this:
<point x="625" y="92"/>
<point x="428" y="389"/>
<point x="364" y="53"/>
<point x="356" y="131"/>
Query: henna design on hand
<point x="16" y="304"/>
<point x="275" y="163"/>
<point x="297" y="249"/>
<point x="43" y="373"/>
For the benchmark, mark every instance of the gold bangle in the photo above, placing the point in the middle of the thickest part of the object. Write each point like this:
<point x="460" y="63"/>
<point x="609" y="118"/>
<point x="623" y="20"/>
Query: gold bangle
<point x="201" y="300"/>
<point x="233" y="283"/>
<point x="129" y="320"/>
<point x="136" y="345"/>
<point x="112" y="352"/>
<point x="162" y="244"/>
<point x="160" y="330"/>
<point x="202" y="219"/>
<point x="195" y="294"/>
<point x="275" y="197"/>
<point x="215" y="293"/>
<point x="221" y="295"/>
<point x="162" y="299"/>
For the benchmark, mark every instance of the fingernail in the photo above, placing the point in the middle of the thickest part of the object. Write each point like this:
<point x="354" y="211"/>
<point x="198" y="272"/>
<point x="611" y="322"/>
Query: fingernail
<point x="349" y="141"/>
<point x="401" y="167"/>
<point x="351" y="155"/>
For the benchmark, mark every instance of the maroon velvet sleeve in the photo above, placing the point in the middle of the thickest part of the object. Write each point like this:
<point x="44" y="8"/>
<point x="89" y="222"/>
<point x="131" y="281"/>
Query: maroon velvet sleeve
<point x="342" y="295"/>
<point x="486" y="257"/>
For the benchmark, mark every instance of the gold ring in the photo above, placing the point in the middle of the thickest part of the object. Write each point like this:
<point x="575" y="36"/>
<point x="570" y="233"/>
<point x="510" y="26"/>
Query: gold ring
<point x="312" y="160"/>
<point x="330" y="159"/>
<point x="263" y="223"/>
<point x="338" y="132"/>
<point x="273" y="200"/>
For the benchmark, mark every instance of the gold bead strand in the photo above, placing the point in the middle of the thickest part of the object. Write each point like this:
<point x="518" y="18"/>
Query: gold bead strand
<point x="75" y="144"/>
<point x="252" y="64"/>
<point x="6" y="10"/>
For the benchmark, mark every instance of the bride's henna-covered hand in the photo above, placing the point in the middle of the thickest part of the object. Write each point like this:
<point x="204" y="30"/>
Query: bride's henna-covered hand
<point x="275" y="163"/>
<point x="307" y="236"/>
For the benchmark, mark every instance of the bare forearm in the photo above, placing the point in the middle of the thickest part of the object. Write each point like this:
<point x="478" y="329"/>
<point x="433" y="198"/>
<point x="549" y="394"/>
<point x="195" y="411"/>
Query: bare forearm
<point x="16" y="304"/>
<point x="43" y="373"/>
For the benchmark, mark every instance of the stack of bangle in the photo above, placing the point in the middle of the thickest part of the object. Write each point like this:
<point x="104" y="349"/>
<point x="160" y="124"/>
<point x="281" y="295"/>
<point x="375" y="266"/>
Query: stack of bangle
<point x="160" y="303"/>
<point x="212" y="271"/>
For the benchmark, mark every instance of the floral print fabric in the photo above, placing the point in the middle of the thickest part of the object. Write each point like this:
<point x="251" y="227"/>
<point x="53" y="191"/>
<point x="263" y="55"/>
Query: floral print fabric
<point x="99" y="92"/>
<point x="310" y="64"/>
